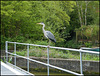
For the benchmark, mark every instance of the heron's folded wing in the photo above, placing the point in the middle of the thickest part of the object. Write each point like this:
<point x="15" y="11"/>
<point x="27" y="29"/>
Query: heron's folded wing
<point x="50" y="36"/>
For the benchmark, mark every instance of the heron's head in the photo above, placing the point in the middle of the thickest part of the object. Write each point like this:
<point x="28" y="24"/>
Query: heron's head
<point x="41" y="23"/>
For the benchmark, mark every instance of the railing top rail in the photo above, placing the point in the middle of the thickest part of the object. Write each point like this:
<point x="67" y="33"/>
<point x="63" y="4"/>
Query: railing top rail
<point x="61" y="48"/>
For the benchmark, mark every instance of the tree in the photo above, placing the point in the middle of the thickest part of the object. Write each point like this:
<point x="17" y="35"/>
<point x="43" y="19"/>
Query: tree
<point x="55" y="16"/>
<point x="88" y="12"/>
<point x="93" y="13"/>
<point x="14" y="17"/>
<point x="19" y="18"/>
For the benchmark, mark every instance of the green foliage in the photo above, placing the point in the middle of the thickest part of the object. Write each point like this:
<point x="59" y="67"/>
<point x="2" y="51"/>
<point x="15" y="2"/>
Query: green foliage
<point x="42" y="42"/>
<point x="22" y="53"/>
<point x="87" y="44"/>
<point x="90" y="57"/>
<point x="42" y="52"/>
<point x="93" y="13"/>
<point x="10" y="60"/>
<point x="4" y="60"/>
<point x="72" y="44"/>
<point x="19" y="18"/>
<point x="89" y="33"/>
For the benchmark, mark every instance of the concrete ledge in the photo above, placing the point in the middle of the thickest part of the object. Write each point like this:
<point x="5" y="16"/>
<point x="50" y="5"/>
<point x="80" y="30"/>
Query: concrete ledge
<point x="69" y="64"/>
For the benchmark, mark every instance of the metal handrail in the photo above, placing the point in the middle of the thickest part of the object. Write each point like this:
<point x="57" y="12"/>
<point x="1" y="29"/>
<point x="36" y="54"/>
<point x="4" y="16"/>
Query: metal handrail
<point x="61" y="48"/>
<point x="46" y="64"/>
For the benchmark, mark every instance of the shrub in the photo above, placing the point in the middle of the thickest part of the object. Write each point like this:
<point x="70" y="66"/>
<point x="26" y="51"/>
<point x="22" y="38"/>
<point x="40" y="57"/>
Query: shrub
<point x="87" y="44"/>
<point x="72" y="44"/>
<point x="88" y="33"/>
<point x="44" y="43"/>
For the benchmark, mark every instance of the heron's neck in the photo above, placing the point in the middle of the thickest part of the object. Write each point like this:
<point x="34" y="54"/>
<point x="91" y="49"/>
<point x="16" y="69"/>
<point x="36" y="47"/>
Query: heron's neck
<point x="43" y="28"/>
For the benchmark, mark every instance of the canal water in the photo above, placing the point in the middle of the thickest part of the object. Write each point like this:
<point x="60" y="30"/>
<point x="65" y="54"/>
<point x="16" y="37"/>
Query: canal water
<point x="55" y="72"/>
<point x="52" y="72"/>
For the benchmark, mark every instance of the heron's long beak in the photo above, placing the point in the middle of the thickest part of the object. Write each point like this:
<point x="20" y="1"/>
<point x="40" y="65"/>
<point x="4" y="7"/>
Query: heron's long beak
<point x="38" y="23"/>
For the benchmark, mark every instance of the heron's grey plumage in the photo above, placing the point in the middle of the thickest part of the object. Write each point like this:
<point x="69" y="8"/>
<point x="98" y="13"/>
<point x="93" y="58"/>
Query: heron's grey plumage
<point x="48" y="34"/>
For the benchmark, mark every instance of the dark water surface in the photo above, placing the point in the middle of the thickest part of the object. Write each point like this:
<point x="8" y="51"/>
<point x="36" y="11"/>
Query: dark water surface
<point x="55" y="72"/>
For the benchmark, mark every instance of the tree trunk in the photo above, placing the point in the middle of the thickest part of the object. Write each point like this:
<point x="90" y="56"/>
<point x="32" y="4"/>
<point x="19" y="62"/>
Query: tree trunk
<point x="82" y="15"/>
<point x="79" y="13"/>
<point x="86" y="12"/>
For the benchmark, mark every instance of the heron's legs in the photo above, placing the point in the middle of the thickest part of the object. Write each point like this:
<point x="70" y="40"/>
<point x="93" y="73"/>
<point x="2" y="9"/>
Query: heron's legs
<point x="49" y="43"/>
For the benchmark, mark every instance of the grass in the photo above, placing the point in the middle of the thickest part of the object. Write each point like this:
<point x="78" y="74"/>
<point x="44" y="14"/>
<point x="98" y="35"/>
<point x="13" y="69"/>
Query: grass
<point x="54" y="53"/>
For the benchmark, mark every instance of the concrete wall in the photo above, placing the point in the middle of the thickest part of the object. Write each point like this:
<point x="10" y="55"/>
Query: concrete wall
<point x="69" y="64"/>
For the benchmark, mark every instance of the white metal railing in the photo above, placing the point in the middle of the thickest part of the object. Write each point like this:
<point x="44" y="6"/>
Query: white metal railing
<point x="46" y="64"/>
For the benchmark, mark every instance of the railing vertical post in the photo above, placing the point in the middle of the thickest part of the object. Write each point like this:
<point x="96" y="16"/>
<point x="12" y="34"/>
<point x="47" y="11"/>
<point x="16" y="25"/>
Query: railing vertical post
<point x="48" y="60"/>
<point x="6" y="51"/>
<point x="15" y="53"/>
<point x="81" y="69"/>
<point x="27" y="58"/>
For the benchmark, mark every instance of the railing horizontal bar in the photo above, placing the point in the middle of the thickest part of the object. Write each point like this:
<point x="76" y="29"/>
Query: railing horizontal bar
<point x="38" y="45"/>
<point x="9" y="42"/>
<point x="93" y="52"/>
<point x="78" y="50"/>
<point x="47" y="64"/>
<point x="61" y="48"/>
<point x="64" y="48"/>
<point x="28" y="44"/>
<point x="10" y="53"/>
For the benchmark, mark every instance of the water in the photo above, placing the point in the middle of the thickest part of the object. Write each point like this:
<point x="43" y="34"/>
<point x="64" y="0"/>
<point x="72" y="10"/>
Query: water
<point x="55" y="72"/>
<point x="63" y="74"/>
<point x="52" y="73"/>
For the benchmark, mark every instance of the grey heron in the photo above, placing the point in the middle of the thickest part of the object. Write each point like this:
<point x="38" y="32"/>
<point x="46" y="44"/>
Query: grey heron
<point x="47" y="34"/>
